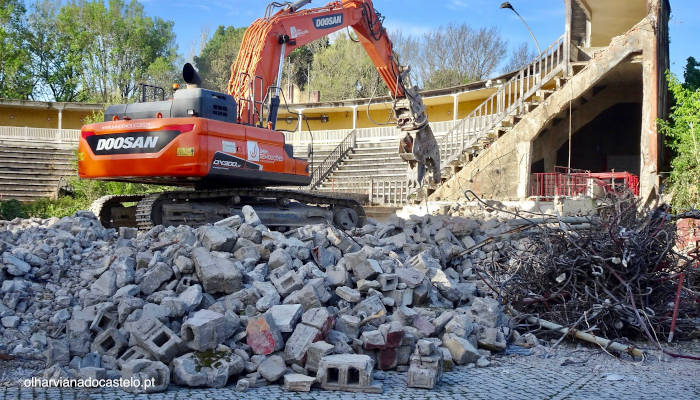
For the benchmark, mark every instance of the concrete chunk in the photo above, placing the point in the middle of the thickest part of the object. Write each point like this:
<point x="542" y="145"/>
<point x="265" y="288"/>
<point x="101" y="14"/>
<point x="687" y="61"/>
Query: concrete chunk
<point x="146" y="371"/>
<point x="155" y="277"/>
<point x="272" y="368"/>
<point x="298" y="383"/>
<point x="286" y="316"/>
<point x="205" y="330"/>
<point x="410" y="276"/>
<point x="217" y="238"/>
<point x="297" y="344"/>
<point x="218" y="275"/>
<point x="348" y="294"/>
<point x="285" y="280"/>
<point x="279" y="258"/>
<point x="263" y="336"/>
<point x="461" y="350"/>
<point x="315" y="353"/>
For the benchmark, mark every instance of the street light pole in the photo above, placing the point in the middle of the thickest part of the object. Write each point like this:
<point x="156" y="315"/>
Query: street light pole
<point x="510" y="6"/>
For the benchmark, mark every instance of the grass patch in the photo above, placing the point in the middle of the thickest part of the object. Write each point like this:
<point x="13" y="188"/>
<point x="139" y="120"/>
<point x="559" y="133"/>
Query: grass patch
<point x="79" y="196"/>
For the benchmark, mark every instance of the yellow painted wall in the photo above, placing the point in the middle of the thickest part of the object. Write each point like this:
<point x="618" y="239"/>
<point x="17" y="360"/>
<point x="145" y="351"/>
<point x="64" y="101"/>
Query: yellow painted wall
<point x="342" y="118"/>
<point x="38" y="118"/>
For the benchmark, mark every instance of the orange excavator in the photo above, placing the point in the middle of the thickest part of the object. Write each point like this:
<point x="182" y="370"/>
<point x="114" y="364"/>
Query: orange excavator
<point x="225" y="146"/>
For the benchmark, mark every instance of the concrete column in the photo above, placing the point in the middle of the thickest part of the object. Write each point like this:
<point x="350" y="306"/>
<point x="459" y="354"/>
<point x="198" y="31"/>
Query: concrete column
<point x="354" y="117"/>
<point x="649" y="145"/>
<point x="523" y="151"/>
<point x="301" y="120"/>
<point x="455" y="107"/>
<point x="60" y="119"/>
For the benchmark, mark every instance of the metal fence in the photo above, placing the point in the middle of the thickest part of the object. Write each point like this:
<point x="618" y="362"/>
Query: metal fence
<point x="577" y="183"/>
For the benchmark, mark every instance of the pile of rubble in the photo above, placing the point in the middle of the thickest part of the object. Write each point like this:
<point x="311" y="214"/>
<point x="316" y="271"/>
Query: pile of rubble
<point x="236" y="303"/>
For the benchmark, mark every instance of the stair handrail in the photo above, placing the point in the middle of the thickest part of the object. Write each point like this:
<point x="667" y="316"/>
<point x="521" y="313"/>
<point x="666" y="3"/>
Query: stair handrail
<point x="336" y="156"/>
<point x="509" y="97"/>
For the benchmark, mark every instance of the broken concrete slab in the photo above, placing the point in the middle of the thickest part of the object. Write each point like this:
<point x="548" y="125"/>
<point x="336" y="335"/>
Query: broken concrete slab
<point x="286" y="316"/>
<point x="298" y="383"/>
<point x="299" y="342"/>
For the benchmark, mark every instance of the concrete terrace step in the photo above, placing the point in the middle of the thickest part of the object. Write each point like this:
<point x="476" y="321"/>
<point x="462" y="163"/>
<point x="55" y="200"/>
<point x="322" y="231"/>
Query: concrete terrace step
<point x="373" y="166"/>
<point x="32" y="149"/>
<point x="7" y="176"/>
<point x="39" y="164"/>
<point x="19" y="157"/>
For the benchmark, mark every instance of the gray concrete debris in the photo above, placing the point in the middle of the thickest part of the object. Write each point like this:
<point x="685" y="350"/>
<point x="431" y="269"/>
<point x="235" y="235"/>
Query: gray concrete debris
<point x="156" y="338"/>
<point x="425" y="370"/>
<point x="147" y="372"/>
<point x="315" y="353"/>
<point x="251" y="217"/>
<point x="348" y="294"/>
<point x="110" y="342"/>
<point x="279" y="258"/>
<point x="285" y="280"/>
<point x="272" y="368"/>
<point x="205" y="330"/>
<point x="462" y="351"/>
<point x="347" y="372"/>
<point x="218" y="275"/>
<point x="237" y="302"/>
<point x="297" y="344"/>
<point x="286" y="316"/>
<point x="217" y="238"/>
<point x="298" y="383"/>
<point x="206" y="369"/>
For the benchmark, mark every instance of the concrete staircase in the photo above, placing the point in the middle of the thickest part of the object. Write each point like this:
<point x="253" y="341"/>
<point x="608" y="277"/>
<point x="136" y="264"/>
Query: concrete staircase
<point x="33" y="170"/>
<point x="376" y="169"/>
<point x="368" y="161"/>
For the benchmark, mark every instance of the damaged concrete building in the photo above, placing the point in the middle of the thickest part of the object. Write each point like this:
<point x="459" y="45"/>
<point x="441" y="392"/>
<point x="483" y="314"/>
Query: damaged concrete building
<point x="602" y="106"/>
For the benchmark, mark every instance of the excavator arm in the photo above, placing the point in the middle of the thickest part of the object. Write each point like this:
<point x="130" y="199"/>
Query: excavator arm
<point x="257" y="71"/>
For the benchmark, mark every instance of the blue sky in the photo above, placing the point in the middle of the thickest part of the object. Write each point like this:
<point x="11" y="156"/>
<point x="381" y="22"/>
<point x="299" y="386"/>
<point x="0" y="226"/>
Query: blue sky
<point x="545" y="17"/>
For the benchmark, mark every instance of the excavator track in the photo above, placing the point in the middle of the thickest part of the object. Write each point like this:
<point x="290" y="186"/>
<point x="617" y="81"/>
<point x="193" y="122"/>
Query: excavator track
<point x="111" y="212"/>
<point x="278" y="208"/>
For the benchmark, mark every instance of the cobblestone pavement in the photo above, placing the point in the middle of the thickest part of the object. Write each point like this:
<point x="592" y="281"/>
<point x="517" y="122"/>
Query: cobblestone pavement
<point x="570" y="374"/>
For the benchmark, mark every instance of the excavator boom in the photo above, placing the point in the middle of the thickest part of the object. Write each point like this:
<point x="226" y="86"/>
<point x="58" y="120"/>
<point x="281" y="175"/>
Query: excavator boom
<point x="268" y="41"/>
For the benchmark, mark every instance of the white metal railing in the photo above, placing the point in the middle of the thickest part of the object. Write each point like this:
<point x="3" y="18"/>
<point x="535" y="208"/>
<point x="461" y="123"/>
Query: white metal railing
<point x="380" y="191"/>
<point x="69" y="136"/>
<point x="328" y="137"/>
<point x="508" y="100"/>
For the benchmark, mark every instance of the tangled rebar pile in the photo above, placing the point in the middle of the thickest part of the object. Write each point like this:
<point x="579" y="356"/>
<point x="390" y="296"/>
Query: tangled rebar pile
<point x="614" y="275"/>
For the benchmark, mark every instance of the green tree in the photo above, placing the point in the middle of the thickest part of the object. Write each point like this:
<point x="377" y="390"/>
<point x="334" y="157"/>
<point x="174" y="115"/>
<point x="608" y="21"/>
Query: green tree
<point x="215" y="59"/>
<point x="55" y="67"/>
<point x="443" y="78"/>
<point x="683" y="131"/>
<point x="343" y="70"/>
<point x="692" y="74"/>
<point x="301" y="60"/>
<point x="118" y="44"/>
<point x="15" y="61"/>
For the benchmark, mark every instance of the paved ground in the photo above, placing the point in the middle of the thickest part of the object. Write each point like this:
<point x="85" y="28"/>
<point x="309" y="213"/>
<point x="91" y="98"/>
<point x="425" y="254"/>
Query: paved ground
<point x="569" y="374"/>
